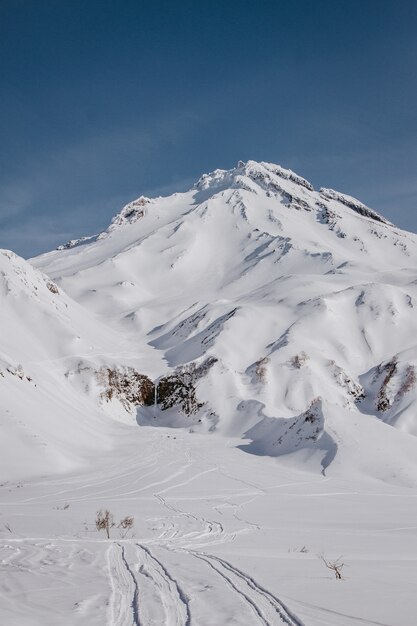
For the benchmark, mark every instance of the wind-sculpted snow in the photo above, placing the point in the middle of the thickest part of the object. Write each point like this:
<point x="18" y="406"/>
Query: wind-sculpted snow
<point x="273" y="436"/>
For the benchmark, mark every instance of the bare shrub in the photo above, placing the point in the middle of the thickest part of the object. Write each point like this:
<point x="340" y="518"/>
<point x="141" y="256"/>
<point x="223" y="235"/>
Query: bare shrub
<point x="125" y="525"/>
<point x="335" y="566"/>
<point x="104" y="521"/>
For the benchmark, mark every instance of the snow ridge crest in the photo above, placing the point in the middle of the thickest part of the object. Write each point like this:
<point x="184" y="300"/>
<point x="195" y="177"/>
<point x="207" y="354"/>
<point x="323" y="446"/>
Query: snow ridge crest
<point x="260" y="172"/>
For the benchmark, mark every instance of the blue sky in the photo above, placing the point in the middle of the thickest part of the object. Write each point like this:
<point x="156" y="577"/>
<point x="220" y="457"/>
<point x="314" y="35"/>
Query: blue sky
<point x="102" y="101"/>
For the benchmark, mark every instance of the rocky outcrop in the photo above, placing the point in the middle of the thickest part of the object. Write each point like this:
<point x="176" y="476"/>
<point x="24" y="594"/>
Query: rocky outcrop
<point x="52" y="287"/>
<point x="355" y="392"/>
<point x="384" y="402"/>
<point x="127" y="385"/>
<point x="392" y="391"/>
<point x="273" y="436"/>
<point x="74" y="243"/>
<point x="354" y="204"/>
<point x="14" y="370"/>
<point x="178" y="389"/>
<point x="130" y="213"/>
<point x="133" y="389"/>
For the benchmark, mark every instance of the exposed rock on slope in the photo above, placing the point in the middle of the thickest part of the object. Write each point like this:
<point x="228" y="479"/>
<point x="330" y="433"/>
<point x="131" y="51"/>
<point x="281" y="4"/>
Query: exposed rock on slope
<point x="277" y="436"/>
<point x="179" y="388"/>
<point x="127" y="385"/>
<point x="391" y="390"/>
<point x="132" y="389"/>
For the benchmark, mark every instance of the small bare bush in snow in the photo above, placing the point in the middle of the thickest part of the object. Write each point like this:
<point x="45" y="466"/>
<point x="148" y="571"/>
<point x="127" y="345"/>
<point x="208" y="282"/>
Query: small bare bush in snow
<point x="104" y="521"/>
<point x="335" y="566"/>
<point x="125" y="525"/>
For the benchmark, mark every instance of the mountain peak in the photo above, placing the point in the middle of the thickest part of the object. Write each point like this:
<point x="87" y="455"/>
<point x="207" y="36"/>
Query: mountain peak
<point x="259" y="172"/>
<point x="262" y="179"/>
<point x="274" y="179"/>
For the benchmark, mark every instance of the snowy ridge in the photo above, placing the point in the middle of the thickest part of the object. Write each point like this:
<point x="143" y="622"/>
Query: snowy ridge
<point x="354" y="204"/>
<point x="248" y="176"/>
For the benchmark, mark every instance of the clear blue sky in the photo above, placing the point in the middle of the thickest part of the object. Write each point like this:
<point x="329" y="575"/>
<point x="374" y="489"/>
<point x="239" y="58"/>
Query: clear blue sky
<point x="103" y="100"/>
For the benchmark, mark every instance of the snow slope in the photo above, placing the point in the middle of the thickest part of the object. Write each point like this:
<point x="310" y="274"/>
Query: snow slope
<point x="278" y="323"/>
<point x="51" y="349"/>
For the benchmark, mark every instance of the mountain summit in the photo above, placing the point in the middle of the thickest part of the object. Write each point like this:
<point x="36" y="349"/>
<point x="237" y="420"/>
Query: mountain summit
<point x="293" y="190"/>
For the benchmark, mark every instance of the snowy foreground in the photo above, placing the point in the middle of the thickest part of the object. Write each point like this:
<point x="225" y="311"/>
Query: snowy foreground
<point x="235" y="367"/>
<point x="220" y="537"/>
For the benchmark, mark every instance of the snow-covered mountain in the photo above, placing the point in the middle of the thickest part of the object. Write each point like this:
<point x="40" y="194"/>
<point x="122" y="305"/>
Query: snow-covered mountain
<point x="234" y="369"/>
<point x="298" y="297"/>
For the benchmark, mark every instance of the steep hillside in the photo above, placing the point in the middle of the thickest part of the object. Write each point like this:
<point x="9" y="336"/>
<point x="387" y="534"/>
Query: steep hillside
<point x="58" y="363"/>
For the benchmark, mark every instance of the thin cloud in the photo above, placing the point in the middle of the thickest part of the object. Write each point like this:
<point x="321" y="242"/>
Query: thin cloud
<point x="75" y="184"/>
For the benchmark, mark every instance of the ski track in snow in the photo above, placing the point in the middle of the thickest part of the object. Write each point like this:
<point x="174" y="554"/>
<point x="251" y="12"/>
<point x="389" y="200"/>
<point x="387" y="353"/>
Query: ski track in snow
<point x="127" y="604"/>
<point x="133" y="566"/>
<point x="124" y="599"/>
<point x="143" y="591"/>
<point x="265" y="607"/>
<point x="175" y="602"/>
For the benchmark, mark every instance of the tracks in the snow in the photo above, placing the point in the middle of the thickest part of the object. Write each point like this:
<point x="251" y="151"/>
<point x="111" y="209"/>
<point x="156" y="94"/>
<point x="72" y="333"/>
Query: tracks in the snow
<point x="266" y="608"/>
<point x="174" y="601"/>
<point x="133" y="567"/>
<point x="144" y="593"/>
<point x="125" y="591"/>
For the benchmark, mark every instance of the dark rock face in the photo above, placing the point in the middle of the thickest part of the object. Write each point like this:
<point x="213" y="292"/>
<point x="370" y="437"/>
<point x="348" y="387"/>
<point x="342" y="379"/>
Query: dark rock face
<point x="353" y="204"/>
<point x="52" y="287"/>
<point x="383" y="402"/>
<point x="132" y="388"/>
<point x="127" y="385"/>
<point x="406" y="381"/>
<point x="178" y="389"/>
